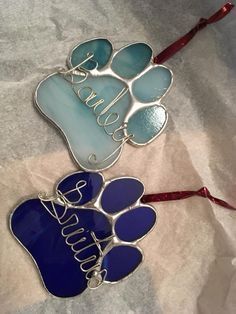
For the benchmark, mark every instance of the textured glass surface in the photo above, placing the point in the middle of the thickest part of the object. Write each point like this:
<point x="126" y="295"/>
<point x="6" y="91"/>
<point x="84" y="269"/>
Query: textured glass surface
<point x="58" y="101"/>
<point x="120" y="194"/>
<point x="40" y="234"/>
<point x="66" y="242"/>
<point x="146" y="123"/>
<point x="121" y="261"/>
<point x="101" y="48"/>
<point x="131" y="60"/>
<point x="152" y="85"/>
<point x="92" y="111"/>
<point x="135" y="223"/>
<point x="81" y="187"/>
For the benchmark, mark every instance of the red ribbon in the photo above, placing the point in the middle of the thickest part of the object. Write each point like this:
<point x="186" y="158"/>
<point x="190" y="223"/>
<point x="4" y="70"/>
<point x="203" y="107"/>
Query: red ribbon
<point x="179" y="195"/>
<point x="180" y="43"/>
<point x="162" y="57"/>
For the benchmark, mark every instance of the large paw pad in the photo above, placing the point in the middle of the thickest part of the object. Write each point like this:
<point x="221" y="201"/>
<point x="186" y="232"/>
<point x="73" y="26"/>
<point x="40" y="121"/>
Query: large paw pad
<point x="87" y="233"/>
<point x="105" y="99"/>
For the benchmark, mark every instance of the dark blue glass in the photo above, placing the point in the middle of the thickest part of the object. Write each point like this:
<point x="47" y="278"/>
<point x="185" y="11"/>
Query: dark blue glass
<point x="121" y="261"/>
<point x="92" y="186"/>
<point x="59" y="238"/>
<point x="135" y="223"/>
<point x="120" y="194"/>
<point x="40" y="233"/>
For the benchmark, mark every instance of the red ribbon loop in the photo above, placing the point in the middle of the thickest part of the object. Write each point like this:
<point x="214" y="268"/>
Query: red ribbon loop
<point x="179" y="195"/>
<point x="180" y="43"/>
<point x="162" y="57"/>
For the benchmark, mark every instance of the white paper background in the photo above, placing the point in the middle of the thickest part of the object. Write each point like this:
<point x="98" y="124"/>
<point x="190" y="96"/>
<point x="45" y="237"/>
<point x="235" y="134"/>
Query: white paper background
<point x="190" y="264"/>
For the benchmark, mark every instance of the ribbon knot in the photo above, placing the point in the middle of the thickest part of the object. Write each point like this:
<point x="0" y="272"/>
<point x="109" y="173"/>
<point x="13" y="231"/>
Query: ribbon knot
<point x="201" y="24"/>
<point x="203" y="192"/>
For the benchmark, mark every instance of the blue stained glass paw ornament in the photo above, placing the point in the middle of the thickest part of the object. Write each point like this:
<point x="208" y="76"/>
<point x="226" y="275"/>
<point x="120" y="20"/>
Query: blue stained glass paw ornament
<point x="104" y="99"/>
<point x="86" y="234"/>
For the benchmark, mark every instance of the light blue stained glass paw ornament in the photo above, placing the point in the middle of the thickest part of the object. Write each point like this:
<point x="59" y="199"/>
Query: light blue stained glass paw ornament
<point x="104" y="99"/>
<point x="86" y="234"/>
